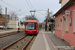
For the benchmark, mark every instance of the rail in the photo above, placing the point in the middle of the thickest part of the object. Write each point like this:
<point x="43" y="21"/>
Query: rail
<point x="20" y="44"/>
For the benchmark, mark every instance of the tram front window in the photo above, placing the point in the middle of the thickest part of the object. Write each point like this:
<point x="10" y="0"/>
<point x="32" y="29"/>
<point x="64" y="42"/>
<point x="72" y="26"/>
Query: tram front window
<point x="30" y="26"/>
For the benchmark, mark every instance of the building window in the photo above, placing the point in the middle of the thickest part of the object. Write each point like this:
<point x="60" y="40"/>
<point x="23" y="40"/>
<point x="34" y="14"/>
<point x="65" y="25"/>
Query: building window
<point x="67" y="23"/>
<point x="18" y="24"/>
<point x="56" y="24"/>
<point x="70" y="21"/>
<point x="59" y="23"/>
<point x="74" y="22"/>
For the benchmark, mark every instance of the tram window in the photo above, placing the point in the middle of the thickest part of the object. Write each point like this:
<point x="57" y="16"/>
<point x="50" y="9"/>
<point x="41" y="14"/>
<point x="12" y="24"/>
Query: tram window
<point x="31" y="26"/>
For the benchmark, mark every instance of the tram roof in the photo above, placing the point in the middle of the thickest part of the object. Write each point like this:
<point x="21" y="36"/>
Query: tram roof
<point x="31" y="21"/>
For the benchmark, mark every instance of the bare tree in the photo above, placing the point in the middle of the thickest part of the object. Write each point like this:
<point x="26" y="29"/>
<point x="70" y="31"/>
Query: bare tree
<point x="13" y="16"/>
<point x="30" y="18"/>
<point x="50" y="15"/>
<point x="1" y="10"/>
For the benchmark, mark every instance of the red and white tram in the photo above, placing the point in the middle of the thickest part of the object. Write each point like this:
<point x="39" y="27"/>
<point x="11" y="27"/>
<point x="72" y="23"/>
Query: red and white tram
<point x="31" y="27"/>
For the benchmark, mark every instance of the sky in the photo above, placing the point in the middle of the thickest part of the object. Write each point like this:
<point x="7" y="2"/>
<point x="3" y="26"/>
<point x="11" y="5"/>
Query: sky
<point x="23" y="7"/>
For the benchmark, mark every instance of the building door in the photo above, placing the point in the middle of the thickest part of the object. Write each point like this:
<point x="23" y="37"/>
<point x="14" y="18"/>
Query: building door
<point x="63" y="27"/>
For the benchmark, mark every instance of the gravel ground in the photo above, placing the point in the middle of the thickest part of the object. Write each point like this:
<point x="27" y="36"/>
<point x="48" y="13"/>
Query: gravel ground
<point x="7" y="40"/>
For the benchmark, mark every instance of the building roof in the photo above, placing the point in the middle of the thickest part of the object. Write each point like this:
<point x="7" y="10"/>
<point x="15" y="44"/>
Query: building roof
<point x="31" y="21"/>
<point x="70" y="2"/>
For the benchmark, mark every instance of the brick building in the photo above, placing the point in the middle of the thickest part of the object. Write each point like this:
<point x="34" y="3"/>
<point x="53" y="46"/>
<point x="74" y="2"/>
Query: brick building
<point x="2" y="20"/>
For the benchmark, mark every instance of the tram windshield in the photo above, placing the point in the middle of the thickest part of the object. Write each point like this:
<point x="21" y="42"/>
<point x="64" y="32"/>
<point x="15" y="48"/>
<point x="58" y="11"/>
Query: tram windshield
<point x="30" y="26"/>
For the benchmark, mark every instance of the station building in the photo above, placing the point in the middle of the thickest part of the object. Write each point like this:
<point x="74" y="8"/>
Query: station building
<point x="65" y="22"/>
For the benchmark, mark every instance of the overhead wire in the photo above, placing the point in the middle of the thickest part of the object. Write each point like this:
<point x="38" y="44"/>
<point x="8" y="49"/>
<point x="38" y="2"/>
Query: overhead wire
<point x="41" y="10"/>
<point x="28" y="4"/>
<point x="34" y="8"/>
<point x="40" y="13"/>
<point x="31" y="4"/>
<point x="11" y="6"/>
<point x="5" y="7"/>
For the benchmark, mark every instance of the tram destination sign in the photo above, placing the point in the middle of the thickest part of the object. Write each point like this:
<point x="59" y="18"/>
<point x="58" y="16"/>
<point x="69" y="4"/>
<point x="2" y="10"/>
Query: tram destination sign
<point x="30" y="23"/>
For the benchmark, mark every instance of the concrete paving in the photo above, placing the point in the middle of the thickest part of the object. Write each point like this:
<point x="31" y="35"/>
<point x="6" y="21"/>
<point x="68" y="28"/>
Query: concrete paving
<point x="39" y="43"/>
<point x="7" y="31"/>
<point x="48" y="41"/>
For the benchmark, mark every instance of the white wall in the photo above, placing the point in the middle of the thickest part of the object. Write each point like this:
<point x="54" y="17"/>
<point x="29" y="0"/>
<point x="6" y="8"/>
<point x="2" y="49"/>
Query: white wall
<point x="13" y="23"/>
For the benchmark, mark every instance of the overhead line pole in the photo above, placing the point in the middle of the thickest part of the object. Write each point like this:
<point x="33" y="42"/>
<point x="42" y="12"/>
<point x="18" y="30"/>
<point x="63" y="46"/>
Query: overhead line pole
<point x="6" y="18"/>
<point x="47" y="21"/>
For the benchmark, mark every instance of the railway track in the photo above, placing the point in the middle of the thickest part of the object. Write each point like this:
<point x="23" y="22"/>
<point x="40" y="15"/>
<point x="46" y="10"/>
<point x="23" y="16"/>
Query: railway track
<point x="8" y="34"/>
<point x="20" y="44"/>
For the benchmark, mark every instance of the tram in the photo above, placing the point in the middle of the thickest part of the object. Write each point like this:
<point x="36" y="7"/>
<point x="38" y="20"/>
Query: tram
<point x="31" y="27"/>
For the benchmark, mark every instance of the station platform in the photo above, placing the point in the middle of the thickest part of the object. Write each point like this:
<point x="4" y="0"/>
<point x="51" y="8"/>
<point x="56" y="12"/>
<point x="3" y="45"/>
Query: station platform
<point x="48" y="41"/>
<point x="7" y="31"/>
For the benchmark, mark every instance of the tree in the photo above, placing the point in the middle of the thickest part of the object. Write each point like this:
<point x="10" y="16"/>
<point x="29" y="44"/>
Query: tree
<point x="1" y="10"/>
<point x="30" y="18"/>
<point x="13" y="16"/>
